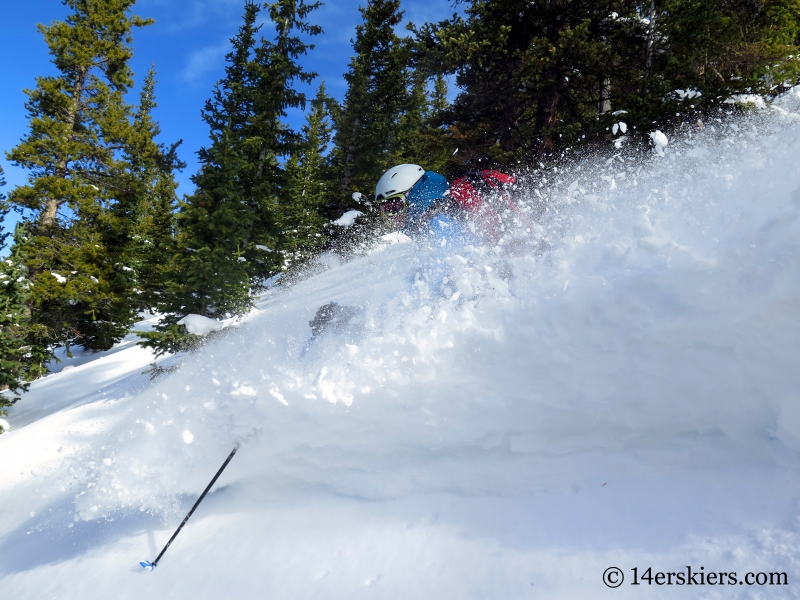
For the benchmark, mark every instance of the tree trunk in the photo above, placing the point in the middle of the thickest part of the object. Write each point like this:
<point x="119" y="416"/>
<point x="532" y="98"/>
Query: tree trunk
<point x="547" y="116"/>
<point x="348" y="160"/>
<point x="512" y="116"/>
<point x="547" y="106"/>
<point x="47" y="218"/>
<point x="604" y="105"/>
<point x="650" y="35"/>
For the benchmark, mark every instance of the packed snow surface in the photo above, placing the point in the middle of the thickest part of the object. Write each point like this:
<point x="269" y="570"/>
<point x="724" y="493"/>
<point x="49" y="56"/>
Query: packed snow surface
<point x="507" y="422"/>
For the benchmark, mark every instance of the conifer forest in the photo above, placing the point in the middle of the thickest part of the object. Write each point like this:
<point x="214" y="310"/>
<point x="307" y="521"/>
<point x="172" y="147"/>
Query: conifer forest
<point x="515" y="85"/>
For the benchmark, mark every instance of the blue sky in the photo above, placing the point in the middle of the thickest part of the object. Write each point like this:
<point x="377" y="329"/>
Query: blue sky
<point x="187" y="43"/>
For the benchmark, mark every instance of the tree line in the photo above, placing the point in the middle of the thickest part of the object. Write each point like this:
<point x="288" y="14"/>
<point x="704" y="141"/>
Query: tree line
<point x="104" y="236"/>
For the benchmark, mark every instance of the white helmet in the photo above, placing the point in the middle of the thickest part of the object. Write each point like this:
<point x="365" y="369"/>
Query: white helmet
<point x="398" y="179"/>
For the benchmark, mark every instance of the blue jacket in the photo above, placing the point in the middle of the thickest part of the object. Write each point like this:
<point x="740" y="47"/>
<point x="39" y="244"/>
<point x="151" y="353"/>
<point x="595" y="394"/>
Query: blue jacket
<point x="431" y="188"/>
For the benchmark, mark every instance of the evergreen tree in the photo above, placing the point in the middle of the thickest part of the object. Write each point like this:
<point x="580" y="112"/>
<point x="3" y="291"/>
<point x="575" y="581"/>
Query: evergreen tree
<point x="535" y="75"/>
<point x="305" y="191"/>
<point x="230" y="230"/>
<point x="23" y="345"/>
<point x="72" y="246"/>
<point x="439" y="103"/>
<point x="208" y="278"/>
<point x="236" y="211"/>
<point x="541" y="76"/>
<point x="411" y="123"/>
<point x="271" y="142"/>
<point x="368" y="126"/>
<point x="440" y="146"/>
<point x="153" y="187"/>
<point x="19" y="363"/>
<point x="4" y="210"/>
<point x="714" y="49"/>
<point x="423" y="137"/>
<point x="11" y="309"/>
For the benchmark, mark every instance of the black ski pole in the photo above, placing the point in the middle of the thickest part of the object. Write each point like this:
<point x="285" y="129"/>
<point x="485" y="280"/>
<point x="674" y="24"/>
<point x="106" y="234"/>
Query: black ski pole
<point x="149" y="566"/>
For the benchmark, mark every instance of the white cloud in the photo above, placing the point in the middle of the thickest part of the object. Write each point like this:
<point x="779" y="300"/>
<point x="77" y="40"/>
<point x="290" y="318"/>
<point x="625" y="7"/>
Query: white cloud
<point x="205" y="60"/>
<point x="187" y="14"/>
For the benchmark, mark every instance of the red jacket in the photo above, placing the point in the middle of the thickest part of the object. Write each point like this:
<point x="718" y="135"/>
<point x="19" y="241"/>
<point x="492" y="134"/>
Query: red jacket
<point x="483" y="196"/>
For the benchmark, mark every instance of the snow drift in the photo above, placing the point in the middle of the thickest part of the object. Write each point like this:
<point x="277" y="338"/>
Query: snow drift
<point x="503" y="423"/>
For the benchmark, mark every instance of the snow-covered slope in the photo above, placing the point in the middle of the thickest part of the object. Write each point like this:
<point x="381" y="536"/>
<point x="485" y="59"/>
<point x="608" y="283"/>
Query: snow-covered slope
<point x="626" y="398"/>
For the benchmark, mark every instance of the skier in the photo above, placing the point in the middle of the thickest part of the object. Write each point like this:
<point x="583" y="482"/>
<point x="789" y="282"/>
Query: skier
<point x="474" y="209"/>
<point x="477" y="205"/>
<point x="410" y="197"/>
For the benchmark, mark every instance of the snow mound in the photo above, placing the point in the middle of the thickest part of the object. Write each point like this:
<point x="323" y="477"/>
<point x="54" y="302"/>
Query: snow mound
<point x="348" y="218"/>
<point x="660" y="140"/>
<point x="390" y="239"/>
<point x="200" y="325"/>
